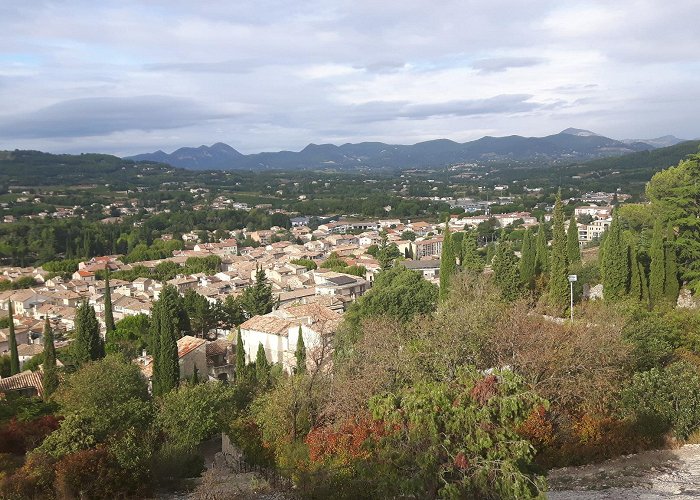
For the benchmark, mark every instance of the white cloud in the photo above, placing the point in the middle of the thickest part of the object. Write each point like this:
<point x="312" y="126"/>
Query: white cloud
<point x="277" y="74"/>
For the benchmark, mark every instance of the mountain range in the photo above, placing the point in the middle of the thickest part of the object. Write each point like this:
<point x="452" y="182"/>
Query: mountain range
<point x="569" y="145"/>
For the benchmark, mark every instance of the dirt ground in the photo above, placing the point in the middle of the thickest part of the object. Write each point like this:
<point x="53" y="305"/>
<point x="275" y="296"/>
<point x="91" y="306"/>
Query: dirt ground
<point x="650" y="475"/>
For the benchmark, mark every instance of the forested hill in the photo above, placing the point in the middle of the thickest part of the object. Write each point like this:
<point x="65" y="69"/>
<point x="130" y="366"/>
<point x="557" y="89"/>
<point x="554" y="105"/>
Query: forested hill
<point x="629" y="172"/>
<point x="35" y="168"/>
<point x="568" y="145"/>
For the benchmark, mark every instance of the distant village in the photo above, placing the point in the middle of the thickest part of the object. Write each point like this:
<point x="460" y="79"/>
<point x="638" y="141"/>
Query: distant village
<point x="309" y="302"/>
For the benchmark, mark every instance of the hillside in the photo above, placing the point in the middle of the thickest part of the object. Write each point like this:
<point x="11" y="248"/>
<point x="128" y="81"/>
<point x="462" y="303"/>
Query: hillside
<point x="629" y="172"/>
<point x="568" y="145"/>
<point x="35" y="168"/>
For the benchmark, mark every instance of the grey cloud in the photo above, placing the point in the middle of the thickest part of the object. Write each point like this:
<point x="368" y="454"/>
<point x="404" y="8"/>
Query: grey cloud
<point x="500" y="104"/>
<point x="105" y="115"/>
<point x="498" y="64"/>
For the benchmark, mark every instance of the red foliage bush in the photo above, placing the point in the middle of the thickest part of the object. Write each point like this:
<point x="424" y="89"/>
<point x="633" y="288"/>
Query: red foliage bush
<point x="347" y="442"/>
<point x="21" y="436"/>
<point x="33" y="480"/>
<point x="591" y="438"/>
<point x="538" y="428"/>
<point x="485" y="389"/>
<point x="94" y="474"/>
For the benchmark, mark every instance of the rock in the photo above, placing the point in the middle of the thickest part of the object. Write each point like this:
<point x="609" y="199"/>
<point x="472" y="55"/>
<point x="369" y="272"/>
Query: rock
<point x="596" y="292"/>
<point x="686" y="300"/>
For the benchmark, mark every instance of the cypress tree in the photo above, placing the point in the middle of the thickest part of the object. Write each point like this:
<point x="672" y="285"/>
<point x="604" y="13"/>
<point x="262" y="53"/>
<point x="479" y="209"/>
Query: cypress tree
<point x="637" y="277"/>
<point x="528" y="260"/>
<point x="671" y="283"/>
<point x="50" y="378"/>
<point x="109" y="317"/>
<point x="558" y="269"/>
<point x="14" y="355"/>
<point x="657" y="267"/>
<point x="166" y="367"/>
<point x="262" y="367"/>
<point x="88" y="344"/>
<point x="240" y="355"/>
<point x="300" y="353"/>
<point x="572" y="247"/>
<point x="615" y="268"/>
<point x="505" y="271"/>
<point x="448" y="264"/>
<point x="471" y="260"/>
<point x="541" y="256"/>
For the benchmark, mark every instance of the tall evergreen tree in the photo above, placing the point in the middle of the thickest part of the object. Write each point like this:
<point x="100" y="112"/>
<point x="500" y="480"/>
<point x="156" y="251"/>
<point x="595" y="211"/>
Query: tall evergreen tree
<point x="109" y="317"/>
<point x="541" y="253"/>
<point x="573" y="250"/>
<point x="657" y="267"/>
<point x="505" y="270"/>
<point x="262" y="367"/>
<point x="558" y="268"/>
<point x="14" y="355"/>
<point x="448" y="263"/>
<point x="471" y="260"/>
<point x="615" y="267"/>
<point x="671" y="283"/>
<point x="166" y="367"/>
<point x="528" y="260"/>
<point x="50" y="377"/>
<point x="88" y="345"/>
<point x="240" y="355"/>
<point x="637" y="275"/>
<point x="300" y="353"/>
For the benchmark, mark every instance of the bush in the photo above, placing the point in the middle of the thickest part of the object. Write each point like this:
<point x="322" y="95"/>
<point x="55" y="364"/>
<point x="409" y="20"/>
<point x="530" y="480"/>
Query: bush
<point x="172" y="464"/>
<point x="94" y="474"/>
<point x="665" y="399"/>
<point x="34" y="480"/>
<point x="20" y="436"/>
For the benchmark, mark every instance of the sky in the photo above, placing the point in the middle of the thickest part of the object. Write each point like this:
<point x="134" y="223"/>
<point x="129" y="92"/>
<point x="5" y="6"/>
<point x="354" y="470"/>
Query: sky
<point x="133" y="76"/>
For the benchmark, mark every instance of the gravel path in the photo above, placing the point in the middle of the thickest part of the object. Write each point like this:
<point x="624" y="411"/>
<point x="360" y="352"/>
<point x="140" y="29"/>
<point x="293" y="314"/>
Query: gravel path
<point x="651" y="475"/>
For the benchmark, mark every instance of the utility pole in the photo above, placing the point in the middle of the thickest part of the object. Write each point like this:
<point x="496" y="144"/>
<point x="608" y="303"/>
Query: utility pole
<point x="572" y="278"/>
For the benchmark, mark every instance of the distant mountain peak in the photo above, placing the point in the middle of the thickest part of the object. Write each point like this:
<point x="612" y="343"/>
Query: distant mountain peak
<point x="579" y="132"/>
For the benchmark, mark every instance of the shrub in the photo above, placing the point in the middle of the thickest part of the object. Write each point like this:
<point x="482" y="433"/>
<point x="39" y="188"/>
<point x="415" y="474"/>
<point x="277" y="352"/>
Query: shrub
<point x="94" y="474"/>
<point x="665" y="399"/>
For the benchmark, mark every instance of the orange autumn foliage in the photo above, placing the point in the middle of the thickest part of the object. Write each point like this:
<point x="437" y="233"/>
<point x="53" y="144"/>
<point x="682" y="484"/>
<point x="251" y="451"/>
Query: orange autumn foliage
<point x="346" y="442"/>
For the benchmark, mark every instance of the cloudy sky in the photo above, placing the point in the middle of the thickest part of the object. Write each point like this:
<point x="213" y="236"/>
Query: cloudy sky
<point x="130" y="76"/>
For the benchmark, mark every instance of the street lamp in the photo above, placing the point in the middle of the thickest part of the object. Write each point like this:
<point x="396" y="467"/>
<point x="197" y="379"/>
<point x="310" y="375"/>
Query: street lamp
<point x="572" y="278"/>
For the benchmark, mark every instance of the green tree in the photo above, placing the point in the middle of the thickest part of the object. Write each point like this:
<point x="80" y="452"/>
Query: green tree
<point x="675" y="199"/>
<point x="471" y="260"/>
<point x="14" y="355"/>
<point x="671" y="283"/>
<point x="109" y="318"/>
<point x="193" y="413"/>
<point x="528" y="260"/>
<point x="257" y="299"/>
<point x="615" y="266"/>
<point x="505" y="271"/>
<point x="300" y="353"/>
<point x="164" y="333"/>
<point x="541" y="254"/>
<point x="448" y="264"/>
<point x="439" y="434"/>
<point x="50" y="378"/>
<point x="387" y="253"/>
<point x="638" y="280"/>
<point x="573" y="249"/>
<point x="240" y="356"/>
<point x="262" y="367"/>
<point x="88" y="345"/>
<point x="657" y="266"/>
<point x="558" y="266"/>
<point x="101" y="400"/>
